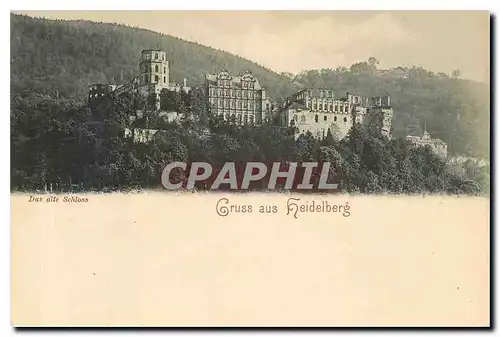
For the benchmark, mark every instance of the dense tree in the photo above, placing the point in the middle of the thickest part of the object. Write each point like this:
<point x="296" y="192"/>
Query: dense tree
<point x="58" y="141"/>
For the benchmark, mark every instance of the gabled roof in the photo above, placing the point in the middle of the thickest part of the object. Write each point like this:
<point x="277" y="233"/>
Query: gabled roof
<point x="235" y="80"/>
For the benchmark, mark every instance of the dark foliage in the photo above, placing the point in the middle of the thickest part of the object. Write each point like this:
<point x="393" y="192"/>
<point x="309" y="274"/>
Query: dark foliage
<point x="57" y="140"/>
<point x="58" y="143"/>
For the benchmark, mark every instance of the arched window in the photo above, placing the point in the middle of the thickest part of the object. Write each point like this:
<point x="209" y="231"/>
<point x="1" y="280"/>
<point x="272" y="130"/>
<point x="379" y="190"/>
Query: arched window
<point x="316" y="118"/>
<point x="335" y="118"/>
<point x="156" y="68"/>
<point x="345" y="119"/>
<point x="325" y="118"/>
<point x="156" y="56"/>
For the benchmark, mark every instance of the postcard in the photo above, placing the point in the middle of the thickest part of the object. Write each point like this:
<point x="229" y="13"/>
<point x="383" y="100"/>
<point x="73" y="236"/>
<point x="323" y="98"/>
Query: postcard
<point x="250" y="168"/>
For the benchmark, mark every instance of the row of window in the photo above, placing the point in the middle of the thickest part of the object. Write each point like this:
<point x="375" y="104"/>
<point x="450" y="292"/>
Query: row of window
<point x="316" y="118"/>
<point x="95" y="95"/>
<point x="156" y="79"/>
<point x="233" y="104"/>
<point x="149" y="68"/>
<point x="156" y="56"/>
<point x="239" y="119"/>
<point x="227" y="83"/>
<point x="329" y="107"/>
<point x="231" y="92"/>
<point x="215" y="99"/>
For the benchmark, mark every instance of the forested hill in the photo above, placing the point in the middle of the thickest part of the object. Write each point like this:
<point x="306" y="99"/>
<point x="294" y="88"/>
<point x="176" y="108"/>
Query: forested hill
<point x="50" y="56"/>
<point x="60" y="58"/>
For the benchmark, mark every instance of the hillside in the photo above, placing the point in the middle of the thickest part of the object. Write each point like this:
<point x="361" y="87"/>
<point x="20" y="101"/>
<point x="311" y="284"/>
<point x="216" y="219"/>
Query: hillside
<point x="60" y="58"/>
<point x="56" y="56"/>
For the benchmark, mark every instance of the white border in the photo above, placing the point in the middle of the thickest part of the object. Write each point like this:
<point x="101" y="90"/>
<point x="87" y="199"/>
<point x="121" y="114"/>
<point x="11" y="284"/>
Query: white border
<point x="5" y="329"/>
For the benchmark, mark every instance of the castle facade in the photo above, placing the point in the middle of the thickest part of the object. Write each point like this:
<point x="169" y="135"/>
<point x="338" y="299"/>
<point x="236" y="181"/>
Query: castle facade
<point x="238" y="99"/>
<point x="437" y="145"/>
<point x="153" y="77"/>
<point x="319" y="111"/>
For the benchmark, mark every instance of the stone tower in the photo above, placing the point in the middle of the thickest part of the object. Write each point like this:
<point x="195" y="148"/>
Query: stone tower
<point x="154" y="72"/>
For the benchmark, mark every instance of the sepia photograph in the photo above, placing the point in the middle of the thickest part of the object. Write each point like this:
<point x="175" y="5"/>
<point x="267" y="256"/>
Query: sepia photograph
<point x="100" y="106"/>
<point x="250" y="168"/>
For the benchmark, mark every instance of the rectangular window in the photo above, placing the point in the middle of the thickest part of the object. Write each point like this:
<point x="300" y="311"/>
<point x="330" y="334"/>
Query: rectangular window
<point x="164" y="79"/>
<point x="238" y="104"/>
<point x="146" y="79"/>
<point x="157" y="79"/>
<point x="244" y="104"/>
<point x="226" y="103"/>
<point x="239" y="93"/>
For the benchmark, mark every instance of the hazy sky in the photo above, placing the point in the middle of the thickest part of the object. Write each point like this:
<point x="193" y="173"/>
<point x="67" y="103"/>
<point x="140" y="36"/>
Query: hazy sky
<point x="296" y="41"/>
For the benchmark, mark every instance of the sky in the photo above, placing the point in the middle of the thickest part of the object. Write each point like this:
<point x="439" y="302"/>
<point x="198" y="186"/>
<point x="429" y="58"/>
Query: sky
<point x="288" y="41"/>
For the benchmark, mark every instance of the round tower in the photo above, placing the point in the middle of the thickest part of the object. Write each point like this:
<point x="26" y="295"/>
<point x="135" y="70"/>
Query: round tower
<point x="154" y="71"/>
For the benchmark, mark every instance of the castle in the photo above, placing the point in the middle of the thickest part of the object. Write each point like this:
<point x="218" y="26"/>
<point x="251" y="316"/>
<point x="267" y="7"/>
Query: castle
<point x="238" y="99"/>
<point x="153" y="77"/>
<point x="243" y="100"/>
<point x="318" y="111"/>
<point x="437" y="145"/>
